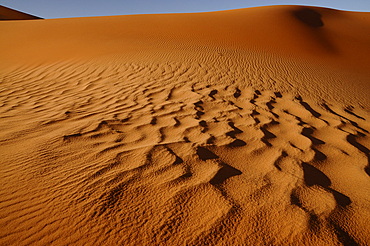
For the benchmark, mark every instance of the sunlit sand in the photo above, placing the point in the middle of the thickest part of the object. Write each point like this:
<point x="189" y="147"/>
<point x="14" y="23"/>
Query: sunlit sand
<point x="241" y="127"/>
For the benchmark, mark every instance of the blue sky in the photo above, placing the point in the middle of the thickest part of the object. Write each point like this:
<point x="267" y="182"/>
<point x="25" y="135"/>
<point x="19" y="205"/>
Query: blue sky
<point x="82" y="8"/>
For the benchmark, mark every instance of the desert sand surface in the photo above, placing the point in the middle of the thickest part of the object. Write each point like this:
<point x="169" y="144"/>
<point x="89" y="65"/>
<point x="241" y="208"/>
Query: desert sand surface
<point x="11" y="14"/>
<point x="241" y="127"/>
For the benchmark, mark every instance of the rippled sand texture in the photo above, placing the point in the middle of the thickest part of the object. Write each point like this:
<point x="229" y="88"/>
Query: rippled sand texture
<point x="206" y="131"/>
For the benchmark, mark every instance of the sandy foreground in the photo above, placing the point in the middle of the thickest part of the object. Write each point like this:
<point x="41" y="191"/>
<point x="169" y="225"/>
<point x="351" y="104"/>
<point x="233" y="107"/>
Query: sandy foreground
<point x="242" y="127"/>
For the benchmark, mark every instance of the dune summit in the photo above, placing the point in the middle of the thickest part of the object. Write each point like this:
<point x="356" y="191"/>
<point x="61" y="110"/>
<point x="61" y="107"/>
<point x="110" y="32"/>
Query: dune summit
<point x="242" y="127"/>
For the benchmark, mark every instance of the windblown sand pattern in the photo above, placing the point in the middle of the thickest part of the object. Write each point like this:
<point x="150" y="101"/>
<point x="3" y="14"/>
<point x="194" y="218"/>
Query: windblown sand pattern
<point x="205" y="146"/>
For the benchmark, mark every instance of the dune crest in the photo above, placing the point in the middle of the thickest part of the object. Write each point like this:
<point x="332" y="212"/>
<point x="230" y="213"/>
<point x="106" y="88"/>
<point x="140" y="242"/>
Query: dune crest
<point x="182" y="136"/>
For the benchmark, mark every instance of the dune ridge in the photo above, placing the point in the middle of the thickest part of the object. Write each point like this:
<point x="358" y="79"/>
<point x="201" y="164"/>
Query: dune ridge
<point x="183" y="136"/>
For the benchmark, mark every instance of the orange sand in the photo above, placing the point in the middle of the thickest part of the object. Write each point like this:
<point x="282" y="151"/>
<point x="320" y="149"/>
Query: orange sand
<point x="242" y="127"/>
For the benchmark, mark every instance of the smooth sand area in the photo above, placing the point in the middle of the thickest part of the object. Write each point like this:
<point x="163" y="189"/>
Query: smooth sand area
<point x="12" y="14"/>
<point x="241" y="127"/>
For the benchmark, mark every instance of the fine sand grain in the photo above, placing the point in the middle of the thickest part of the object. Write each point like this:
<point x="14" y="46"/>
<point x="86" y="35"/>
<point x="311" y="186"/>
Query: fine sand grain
<point x="242" y="127"/>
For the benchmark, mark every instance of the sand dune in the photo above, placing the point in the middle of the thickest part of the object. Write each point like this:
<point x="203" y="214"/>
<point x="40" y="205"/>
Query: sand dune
<point x="243" y="127"/>
<point x="11" y="14"/>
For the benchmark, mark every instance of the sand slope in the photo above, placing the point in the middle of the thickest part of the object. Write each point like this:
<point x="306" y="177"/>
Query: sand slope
<point x="11" y="14"/>
<point x="244" y="127"/>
